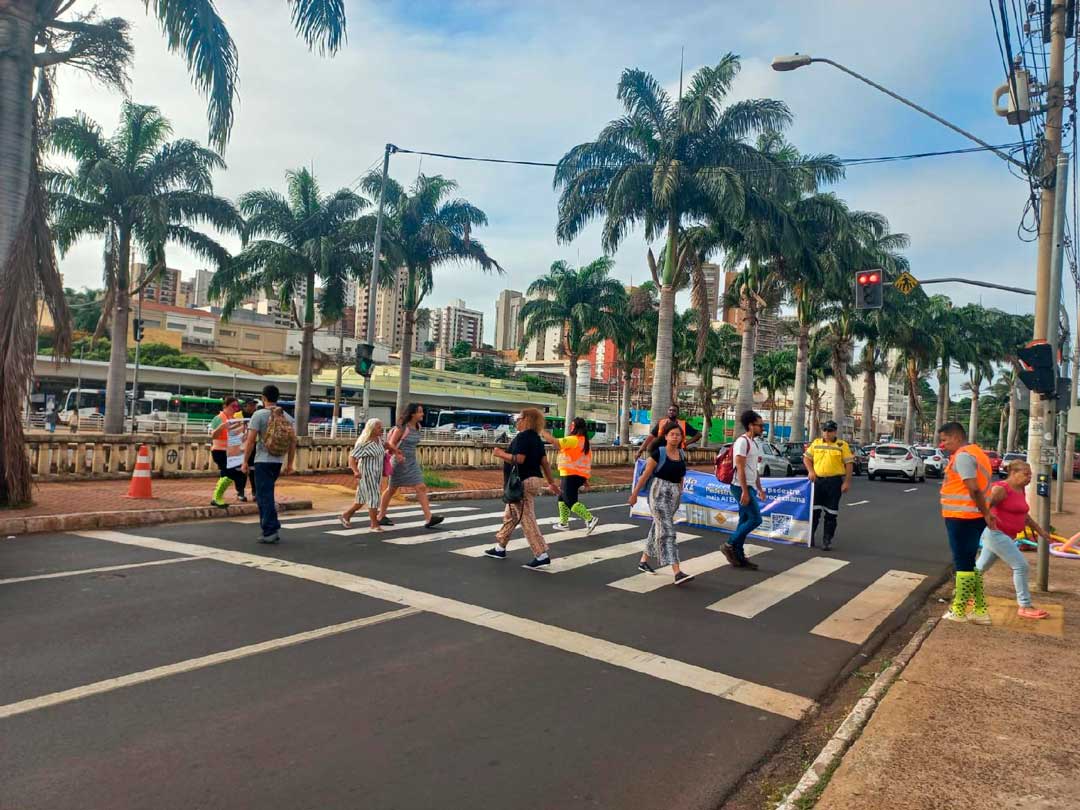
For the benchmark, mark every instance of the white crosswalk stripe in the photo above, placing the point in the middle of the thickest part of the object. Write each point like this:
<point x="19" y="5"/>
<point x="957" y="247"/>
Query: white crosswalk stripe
<point x="560" y="565"/>
<point x="646" y="583"/>
<point x="554" y="537"/>
<point x="751" y="601"/>
<point x="286" y="517"/>
<point x="857" y="618"/>
<point x="416" y="524"/>
<point x="310" y="524"/>
<point x="472" y="531"/>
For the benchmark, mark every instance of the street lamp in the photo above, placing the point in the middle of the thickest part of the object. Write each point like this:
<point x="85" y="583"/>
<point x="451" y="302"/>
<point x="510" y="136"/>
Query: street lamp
<point x="784" y="64"/>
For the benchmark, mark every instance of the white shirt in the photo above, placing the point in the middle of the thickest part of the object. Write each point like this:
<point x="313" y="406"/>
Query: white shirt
<point x="751" y="450"/>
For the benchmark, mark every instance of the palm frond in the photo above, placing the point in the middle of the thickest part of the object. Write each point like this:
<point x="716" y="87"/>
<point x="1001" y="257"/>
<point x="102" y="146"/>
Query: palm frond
<point x="321" y="23"/>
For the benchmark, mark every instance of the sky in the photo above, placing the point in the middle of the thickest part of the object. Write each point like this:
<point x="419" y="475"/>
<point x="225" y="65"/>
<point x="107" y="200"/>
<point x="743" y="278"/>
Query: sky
<point x="531" y="80"/>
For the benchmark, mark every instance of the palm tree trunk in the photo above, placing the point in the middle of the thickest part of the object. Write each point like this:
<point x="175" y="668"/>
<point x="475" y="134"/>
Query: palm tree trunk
<point x="815" y="416"/>
<point x="624" y="417"/>
<point x="802" y="364"/>
<point x="840" y="366"/>
<point x="1011" y="440"/>
<point x="772" y="419"/>
<point x="303" y="382"/>
<point x="744" y="401"/>
<point x="909" y="420"/>
<point x="973" y="414"/>
<point x="116" y="379"/>
<point x="405" y="373"/>
<point x="943" y="395"/>
<point x="869" y="395"/>
<point x="16" y="116"/>
<point x="336" y="417"/>
<point x="571" y="391"/>
<point x="1002" y="421"/>
<point x="661" y="386"/>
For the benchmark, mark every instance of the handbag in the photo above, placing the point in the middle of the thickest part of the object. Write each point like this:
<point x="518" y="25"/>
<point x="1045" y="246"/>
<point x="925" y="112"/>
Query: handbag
<point x="514" y="488"/>
<point x="387" y="464"/>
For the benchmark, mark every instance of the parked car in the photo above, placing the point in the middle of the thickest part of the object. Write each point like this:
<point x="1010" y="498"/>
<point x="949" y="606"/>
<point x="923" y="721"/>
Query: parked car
<point x="774" y="462"/>
<point x="1002" y="470"/>
<point x="934" y="458"/>
<point x="638" y="439"/>
<point x="861" y="462"/>
<point x="995" y="461"/>
<point x="896" y="460"/>
<point x="793" y="452"/>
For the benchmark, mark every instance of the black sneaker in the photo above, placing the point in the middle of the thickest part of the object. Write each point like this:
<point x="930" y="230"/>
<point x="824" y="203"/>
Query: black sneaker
<point x="728" y="551"/>
<point x="745" y="563"/>
<point x="219" y="504"/>
<point x="826" y="545"/>
<point x="682" y="579"/>
<point x="537" y="563"/>
<point x="496" y="553"/>
<point x="645" y="568"/>
<point x="270" y="539"/>
<point x="242" y="497"/>
<point x="386" y="522"/>
<point x="435" y="521"/>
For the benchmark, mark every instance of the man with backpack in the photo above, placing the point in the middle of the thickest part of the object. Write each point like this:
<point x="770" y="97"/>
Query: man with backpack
<point x="273" y="438"/>
<point x="742" y="473"/>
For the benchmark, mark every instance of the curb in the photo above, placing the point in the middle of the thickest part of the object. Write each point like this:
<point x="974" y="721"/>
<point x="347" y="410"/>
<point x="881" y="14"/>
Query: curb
<point x="485" y="494"/>
<point x="856" y="721"/>
<point x="80" y="521"/>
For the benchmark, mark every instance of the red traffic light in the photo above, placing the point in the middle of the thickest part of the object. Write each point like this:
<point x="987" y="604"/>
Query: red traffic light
<point x="874" y="278"/>
<point x="868" y="278"/>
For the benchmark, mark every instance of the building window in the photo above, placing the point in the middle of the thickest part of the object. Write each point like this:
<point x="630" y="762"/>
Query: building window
<point x="227" y="333"/>
<point x="204" y="330"/>
<point x="251" y="335"/>
<point x="153" y="324"/>
<point x="177" y="326"/>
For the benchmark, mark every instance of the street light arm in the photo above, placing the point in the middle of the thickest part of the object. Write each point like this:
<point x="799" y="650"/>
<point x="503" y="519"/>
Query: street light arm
<point x="923" y="110"/>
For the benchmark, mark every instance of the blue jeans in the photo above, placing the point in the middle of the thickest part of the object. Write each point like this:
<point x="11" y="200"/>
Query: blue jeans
<point x="749" y="519"/>
<point x="998" y="544"/>
<point x="964" y="537"/>
<point x="266" y="473"/>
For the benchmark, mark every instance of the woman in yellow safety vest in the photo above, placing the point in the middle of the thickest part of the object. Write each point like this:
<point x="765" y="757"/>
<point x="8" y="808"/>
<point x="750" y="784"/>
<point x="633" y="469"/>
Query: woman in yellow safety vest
<point x="575" y="467"/>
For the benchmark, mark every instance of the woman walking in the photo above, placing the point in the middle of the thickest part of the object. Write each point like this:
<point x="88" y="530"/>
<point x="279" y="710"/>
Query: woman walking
<point x="575" y="468"/>
<point x="527" y="453"/>
<point x="407" y="471"/>
<point x="1010" y="507"/>
<point x="366" y="462"/>
<point x="664" y="472"/>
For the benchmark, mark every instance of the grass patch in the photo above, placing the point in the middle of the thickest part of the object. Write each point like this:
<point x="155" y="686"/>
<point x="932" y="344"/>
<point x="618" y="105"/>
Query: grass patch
<point x="436" y="481"/>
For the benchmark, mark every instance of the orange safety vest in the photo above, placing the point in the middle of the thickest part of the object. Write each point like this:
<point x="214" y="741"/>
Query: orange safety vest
<point x="573" y="460"/>
<point x="682" y="427"/>
<point x="956" y="500"/>
<point x="220" y="437"/>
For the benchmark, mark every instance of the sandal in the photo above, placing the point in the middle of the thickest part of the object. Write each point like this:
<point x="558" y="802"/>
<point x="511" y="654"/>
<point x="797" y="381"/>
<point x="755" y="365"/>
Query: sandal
<point x="1032" y="613"/>
<point x="344" y="522"/>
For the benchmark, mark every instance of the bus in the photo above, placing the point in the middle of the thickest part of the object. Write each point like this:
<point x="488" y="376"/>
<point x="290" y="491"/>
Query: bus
<point x="85" y="401"/>
<point x="477" y="420"/>
<point x="598" y="430"/>
<point x="318" y="412"/>
<point x="193" y="410"/>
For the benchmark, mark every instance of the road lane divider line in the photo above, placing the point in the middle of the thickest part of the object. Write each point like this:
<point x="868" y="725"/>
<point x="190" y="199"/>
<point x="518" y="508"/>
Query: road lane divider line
<point x="103" y="570"/>
<point x="472" y="531"/>
<point x="749" y="602"/>
<point x="560" y="565"/>
<point x="310" y="524"/>
<point x="214" y="659"/>
<point x="913" y="489"/>
<point x="647" y="583"/>
<point x="857" y="503"/>
<point x="711" y="682"/>
<point x="554" y="537"/>
<point x="857" y="618"/>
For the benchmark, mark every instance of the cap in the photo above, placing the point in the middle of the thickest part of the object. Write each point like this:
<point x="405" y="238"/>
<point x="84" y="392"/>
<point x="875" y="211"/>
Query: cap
<point x="830" y="425"/>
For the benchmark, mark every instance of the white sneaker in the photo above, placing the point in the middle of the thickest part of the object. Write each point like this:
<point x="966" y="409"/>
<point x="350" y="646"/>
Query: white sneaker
<point x="591" y="524"/>
<point x="954" y="617"/>
<point x="562" y="527"/>
<point x="980" y="618"/>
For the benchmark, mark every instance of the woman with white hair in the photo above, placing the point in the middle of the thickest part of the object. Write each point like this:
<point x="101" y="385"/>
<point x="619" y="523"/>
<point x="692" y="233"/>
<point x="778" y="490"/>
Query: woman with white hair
<point x="366" y="463"/>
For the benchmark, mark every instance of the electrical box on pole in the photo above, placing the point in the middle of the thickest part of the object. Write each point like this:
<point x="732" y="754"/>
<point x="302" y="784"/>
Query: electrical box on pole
<point x="365" y="361"/>
<point x="869" y="286"/>
<point x="1037" y="369"/>
<point x="137" y="329"/>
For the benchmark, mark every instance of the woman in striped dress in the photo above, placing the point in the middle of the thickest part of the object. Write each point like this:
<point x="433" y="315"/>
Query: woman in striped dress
<point x="366" y="462"/>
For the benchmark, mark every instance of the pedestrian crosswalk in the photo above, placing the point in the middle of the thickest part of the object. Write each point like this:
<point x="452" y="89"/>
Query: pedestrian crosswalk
<point x="611" y="543"/>
<point x="310" y="524"/>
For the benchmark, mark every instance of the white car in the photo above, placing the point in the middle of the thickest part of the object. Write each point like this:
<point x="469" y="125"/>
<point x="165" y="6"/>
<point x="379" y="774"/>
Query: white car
<point x="893" y="459"/>
<point x="934" y="459"/>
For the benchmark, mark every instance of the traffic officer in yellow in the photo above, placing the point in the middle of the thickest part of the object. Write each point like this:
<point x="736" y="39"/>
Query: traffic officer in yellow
<point x="829" y="462"/>
<point x="965" y="506"/>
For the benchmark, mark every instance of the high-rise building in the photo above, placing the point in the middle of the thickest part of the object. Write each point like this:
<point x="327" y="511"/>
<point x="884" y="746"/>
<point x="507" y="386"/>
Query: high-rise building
<point x="163" y="289"/>
<point x="455" y="323"/>
<point x="389" y="312"/>
<point x="712" y="288"/>
<point x="507" y="320"/>
<point x="200" y="288"/>
<point x="185" y="296"/>
<point x="547" y="346"/>
<point x="769" y="334"/>
<point x="604" y="359"/>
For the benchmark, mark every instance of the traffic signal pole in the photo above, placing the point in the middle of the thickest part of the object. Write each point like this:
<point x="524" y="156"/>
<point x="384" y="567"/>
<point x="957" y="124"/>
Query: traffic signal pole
<point x="373" y="281"/>
<point x="1041" y="414"/>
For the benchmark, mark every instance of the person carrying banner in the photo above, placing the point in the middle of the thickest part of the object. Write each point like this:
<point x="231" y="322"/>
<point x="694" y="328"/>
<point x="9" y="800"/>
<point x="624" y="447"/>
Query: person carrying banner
<point x="829" y="463"/>
<point x="689" y="432"/>
<point x="664" y="473"/>
<point x="224" y="425"/>
<point x="746" y="489"/>
<point x="575" y="468"/>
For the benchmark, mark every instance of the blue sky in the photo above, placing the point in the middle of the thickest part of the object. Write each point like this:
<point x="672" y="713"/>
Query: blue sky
<point x="531" y="80"/>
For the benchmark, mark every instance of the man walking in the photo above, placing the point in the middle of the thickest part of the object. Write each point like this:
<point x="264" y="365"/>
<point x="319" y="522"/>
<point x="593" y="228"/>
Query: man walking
<point x="222" y="426"/>
<point x="829" y="463"/>
<point x="966" y="509"/>
<point x="690" y="433"/>
<point x="271" y="434"/>
<point x="746" y="489"/>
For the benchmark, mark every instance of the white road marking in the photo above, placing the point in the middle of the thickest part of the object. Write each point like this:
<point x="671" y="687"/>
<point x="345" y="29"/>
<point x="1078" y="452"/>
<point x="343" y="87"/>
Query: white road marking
<point x="857" y="503"/>
<point x="293" y="516"/>
<point x="704" y="680"/>
<point x="554" y="537"/>
<point x="859" y="617"/>
<point x="913" y="489"/>
<point x="111" y="684"/>
<point x="415" y="524"/>
<point x="561" y="565"/>
<point x="751" y="601"/>
<point x="472" y="531"/>
<point x="646" y="583"/>
<point x="362" y="516"/>
<point x="103" y="570"/>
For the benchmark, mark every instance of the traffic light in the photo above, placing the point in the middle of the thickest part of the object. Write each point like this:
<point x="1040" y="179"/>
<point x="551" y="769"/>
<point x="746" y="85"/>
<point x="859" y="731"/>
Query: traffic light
<point x="365" y="362"/>
<point x="137" y="329"/>
<point x="868" y="289"/>
<point x="1037" y="370"/>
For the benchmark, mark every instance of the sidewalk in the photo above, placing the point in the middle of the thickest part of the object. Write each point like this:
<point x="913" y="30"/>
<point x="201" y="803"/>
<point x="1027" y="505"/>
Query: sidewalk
<point x="982" y="717"/>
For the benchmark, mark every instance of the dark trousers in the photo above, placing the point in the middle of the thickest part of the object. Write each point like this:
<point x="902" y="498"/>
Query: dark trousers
<point x="827" y="501"/>
<point x="251" y="475"/>
<point x="571" y="485"/>
<point x="749" y="519"/>
<point x="266" y="473"/>
<point x="964" y="537"/>
<point x="221" y="458"/>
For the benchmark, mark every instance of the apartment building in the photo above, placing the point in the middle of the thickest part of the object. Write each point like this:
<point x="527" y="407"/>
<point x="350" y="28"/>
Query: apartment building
<point x="507" y="320"/>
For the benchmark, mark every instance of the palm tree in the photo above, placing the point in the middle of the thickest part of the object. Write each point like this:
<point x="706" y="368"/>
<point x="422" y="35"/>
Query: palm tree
<point x="951" y="349"/>
<point x="775" y="372"/>
<point x="583" y="304"/>
<point x="721" y="353"/>
<point x="1001" y="390"/>
<point x="134" y="189"/>
<point x="291" y="243"/>
<point x="872" y="362"/>
<point x="911" y="334"/>
<point x="755" y="289"/>
<point x="979" y="328"/>
<point x="635" y="340"/>
<point x="818" y="369"/>
<point x="663" y="165"/>
<point x="423" y="229"/>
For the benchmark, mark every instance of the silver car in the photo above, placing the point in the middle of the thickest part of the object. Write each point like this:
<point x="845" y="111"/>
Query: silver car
<point x="897" y="460"/>
<point x="934" y="459"/>
<point x="774" y="464"/>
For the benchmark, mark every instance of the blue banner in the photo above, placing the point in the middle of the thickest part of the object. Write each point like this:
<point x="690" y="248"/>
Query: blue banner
<point x="708" y="503"/>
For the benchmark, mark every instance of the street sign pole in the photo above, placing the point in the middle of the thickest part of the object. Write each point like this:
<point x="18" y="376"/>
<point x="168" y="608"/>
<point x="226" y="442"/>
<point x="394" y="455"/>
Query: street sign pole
<point x="373" y="281"/>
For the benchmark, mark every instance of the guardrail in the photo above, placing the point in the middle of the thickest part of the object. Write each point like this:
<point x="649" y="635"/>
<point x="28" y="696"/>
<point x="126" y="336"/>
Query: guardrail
<point x="100" y="456"/>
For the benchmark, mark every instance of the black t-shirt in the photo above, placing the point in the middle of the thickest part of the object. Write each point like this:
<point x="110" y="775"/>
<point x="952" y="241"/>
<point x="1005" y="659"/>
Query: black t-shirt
<point x="529" y="444"/>
<point x="674" y="470"/>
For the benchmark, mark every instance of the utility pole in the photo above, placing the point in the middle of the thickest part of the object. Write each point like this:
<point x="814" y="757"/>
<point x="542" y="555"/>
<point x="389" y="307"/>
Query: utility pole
<point x="1041" y="416"/>
<point x="138" y="345"/>
<point x="373" y="281"/>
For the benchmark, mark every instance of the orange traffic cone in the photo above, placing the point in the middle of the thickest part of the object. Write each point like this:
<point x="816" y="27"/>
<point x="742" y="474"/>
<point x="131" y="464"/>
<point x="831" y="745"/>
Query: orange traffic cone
<point x="140" y="478"/>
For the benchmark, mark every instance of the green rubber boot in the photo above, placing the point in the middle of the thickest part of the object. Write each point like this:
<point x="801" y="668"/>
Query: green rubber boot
<point x="219" y="490"/>
<point x="582" y="511"/>
<point x="564" y="516"/>
<point x="964" y="590"/>
<point x="980" y="614"/>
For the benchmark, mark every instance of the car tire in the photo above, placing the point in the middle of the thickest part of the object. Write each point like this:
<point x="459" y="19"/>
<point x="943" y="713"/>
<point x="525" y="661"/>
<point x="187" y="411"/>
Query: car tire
<point x="789" y="471"/>
<point x="767" y="472"/>
<point x="922" y="479"/>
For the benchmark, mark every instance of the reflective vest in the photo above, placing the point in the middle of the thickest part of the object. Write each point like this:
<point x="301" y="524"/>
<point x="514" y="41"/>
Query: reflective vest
<point x="657" y="439"/>
<point x="956" y="500"/>
<point x="220" y="437"/>
<point x="573" y="460"/>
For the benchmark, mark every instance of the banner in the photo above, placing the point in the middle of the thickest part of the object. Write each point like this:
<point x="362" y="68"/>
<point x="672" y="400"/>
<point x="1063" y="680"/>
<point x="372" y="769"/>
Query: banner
<point x="786" y="515"/>
<point x="235" y="448"/>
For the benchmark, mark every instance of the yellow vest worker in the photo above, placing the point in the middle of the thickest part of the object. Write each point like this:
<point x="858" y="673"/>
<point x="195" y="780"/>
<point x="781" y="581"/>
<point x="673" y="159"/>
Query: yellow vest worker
<point x="830" y="458"/>
<point x="575" y="468"/>
<point x="828" y="464"/>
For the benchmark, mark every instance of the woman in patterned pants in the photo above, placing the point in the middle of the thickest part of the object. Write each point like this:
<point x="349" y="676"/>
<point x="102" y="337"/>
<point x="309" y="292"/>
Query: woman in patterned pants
<point x="664" y="472"/>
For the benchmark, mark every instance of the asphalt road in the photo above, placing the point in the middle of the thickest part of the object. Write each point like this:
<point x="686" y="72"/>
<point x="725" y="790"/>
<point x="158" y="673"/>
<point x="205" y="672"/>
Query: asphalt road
<point x="354" y="672"/>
